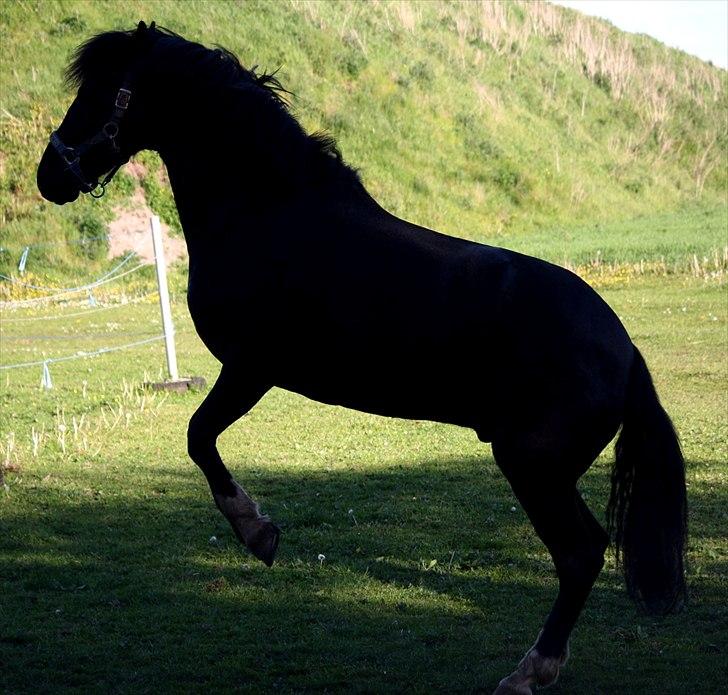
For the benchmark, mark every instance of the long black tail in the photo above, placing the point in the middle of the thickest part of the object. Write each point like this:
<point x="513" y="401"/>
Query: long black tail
<point x="647" y="510"/>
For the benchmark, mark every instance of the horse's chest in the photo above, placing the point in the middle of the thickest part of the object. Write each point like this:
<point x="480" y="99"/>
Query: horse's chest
<point x="225" y="316"/>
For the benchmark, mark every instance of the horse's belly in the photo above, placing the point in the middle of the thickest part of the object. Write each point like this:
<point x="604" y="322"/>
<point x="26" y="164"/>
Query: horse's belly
<point x="442" y="395"/>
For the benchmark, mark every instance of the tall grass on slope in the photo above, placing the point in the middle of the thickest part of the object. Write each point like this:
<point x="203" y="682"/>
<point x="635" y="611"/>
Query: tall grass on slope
<point x="476" y="118"/>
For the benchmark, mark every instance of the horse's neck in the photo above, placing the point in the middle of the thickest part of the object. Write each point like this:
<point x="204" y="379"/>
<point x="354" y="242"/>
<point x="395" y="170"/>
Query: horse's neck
<point x="204" y="169"/>
<point x="204" y="176"/>
<point x="231" y="169"/>
<point x="189" y="195"/>
<point x="213" y="188"/>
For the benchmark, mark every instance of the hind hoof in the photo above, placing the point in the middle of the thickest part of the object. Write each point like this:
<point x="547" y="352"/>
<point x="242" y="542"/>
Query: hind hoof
<point x="506" y="688"/>
<point x="263" y="543"/>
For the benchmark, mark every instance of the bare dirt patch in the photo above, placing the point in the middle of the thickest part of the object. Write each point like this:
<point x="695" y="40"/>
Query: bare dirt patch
<point x="135" y="169"/>
<point x="129" y="231"/>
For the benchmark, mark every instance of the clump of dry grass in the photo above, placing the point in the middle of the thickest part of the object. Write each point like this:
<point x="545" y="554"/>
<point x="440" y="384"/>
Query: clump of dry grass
<point x="84" y="434"/>
<point x="654" y="81"/>
<point x="710" y="268"/>
<point x="8" y="457"/>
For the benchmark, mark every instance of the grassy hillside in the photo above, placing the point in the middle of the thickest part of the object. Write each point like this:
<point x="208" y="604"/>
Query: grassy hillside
<point x="478" y="119"/>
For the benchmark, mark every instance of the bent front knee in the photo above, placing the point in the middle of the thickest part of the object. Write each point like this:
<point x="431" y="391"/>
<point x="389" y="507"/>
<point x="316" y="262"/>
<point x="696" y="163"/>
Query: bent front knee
<point x="199" y="443"/>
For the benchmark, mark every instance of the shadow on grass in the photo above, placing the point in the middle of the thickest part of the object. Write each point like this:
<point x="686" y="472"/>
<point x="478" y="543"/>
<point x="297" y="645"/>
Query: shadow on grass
<point x="430" y="582"/>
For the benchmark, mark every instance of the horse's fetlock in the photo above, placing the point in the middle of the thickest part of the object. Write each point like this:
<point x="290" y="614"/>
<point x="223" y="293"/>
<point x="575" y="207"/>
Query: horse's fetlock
<point x="546" y="671"/>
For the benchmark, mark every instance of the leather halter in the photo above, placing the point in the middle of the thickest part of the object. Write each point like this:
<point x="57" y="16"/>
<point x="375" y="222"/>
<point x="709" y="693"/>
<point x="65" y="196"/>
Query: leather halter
<point x="107" y="135"/>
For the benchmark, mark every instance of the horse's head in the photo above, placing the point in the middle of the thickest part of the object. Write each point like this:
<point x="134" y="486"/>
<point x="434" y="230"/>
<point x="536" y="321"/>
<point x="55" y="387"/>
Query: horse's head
<point x="101" y="129"/>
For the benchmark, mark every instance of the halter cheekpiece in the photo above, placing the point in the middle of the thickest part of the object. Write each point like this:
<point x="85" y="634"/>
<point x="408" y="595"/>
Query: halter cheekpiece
<point x="107" y="135"/>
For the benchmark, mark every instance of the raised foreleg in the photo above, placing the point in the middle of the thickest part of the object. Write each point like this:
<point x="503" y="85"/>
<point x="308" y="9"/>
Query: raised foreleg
<point x="233" y="395"/>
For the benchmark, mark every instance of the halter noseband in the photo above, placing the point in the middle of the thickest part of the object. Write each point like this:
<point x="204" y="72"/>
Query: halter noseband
<point x="107" y="135"/>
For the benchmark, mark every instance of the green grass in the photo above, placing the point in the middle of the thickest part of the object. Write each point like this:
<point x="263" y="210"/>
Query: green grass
<point x="674" y="238"/>
<point x="109" y="581"/>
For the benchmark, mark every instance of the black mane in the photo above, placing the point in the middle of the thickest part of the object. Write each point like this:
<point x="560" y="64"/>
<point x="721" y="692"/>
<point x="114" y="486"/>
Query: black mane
<point x="218" y="69"/>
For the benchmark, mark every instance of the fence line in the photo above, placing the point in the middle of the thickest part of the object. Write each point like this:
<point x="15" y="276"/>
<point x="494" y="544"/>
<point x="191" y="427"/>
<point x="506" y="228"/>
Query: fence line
<point x="126" y="259"/>
<point x="46" y="298"/>
<point x="85" y="312"/>
<point x="80" y="355"/>
<point x="116" y="273"/>
<point x="71" y="336"/>
<point x="65" y="242"/>
<point x="27" y="247"/>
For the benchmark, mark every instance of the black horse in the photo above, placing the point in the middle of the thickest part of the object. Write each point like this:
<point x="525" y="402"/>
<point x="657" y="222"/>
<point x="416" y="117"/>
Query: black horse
<point x="299" y="279"/>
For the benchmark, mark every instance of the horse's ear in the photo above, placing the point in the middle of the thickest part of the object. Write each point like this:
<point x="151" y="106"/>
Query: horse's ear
<point x="142" y="30"/>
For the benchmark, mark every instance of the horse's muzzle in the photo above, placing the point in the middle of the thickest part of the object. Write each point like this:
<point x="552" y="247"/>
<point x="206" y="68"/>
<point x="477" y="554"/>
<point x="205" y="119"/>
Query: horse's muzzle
<point x="53" y="182"/>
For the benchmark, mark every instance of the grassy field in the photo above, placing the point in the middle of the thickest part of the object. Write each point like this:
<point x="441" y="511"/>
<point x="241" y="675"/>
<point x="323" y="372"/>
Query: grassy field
<point x="432" y="580"/>
<point x="406" y="564"/>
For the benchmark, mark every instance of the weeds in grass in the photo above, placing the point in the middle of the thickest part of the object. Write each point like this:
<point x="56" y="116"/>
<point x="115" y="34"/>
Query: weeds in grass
<point x="85" y="434"/>
<point x="37" y="437"/>
<point x="8" y="451"/>
<point x="710" y="268"/>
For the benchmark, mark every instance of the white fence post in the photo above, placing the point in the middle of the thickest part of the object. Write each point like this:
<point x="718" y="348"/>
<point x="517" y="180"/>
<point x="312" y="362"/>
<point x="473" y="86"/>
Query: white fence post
<point x="164" y="298"/>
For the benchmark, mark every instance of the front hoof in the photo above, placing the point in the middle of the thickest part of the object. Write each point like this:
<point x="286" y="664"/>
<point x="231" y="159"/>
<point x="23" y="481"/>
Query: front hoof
<point x="506" y="688"/>
<point x="263" y="542"/>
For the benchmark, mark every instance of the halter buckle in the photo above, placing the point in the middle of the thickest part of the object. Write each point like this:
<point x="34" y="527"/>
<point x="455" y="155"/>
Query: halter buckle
<point x="123" y="97"/>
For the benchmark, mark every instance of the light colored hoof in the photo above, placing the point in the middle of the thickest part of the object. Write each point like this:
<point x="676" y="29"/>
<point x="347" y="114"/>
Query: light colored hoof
<point x="534" y="669"/>
<point x="263" y="541"/>
<point x="506" y="688"/>
<point x="253" y="529"/>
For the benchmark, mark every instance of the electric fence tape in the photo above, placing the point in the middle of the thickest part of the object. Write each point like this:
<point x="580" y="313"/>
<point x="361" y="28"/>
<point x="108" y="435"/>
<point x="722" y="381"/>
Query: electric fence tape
<point x="126" y="259"/>
<point x="46" y="298"/>
<point x="46" y="381"/>
<point x="85" y="312"/>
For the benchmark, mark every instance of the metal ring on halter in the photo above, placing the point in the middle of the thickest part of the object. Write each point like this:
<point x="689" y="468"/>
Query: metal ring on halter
<point x="93" y="193"/>
<point x="111" y="130"/>
<point x="70" y="155"/>
<point x="109" y="126"/>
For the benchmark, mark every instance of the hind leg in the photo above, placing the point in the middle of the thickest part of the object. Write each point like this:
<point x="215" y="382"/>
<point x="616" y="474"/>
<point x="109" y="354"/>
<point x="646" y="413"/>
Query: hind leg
<point x="576" y="543"/>
<point x="229" y="399"/>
